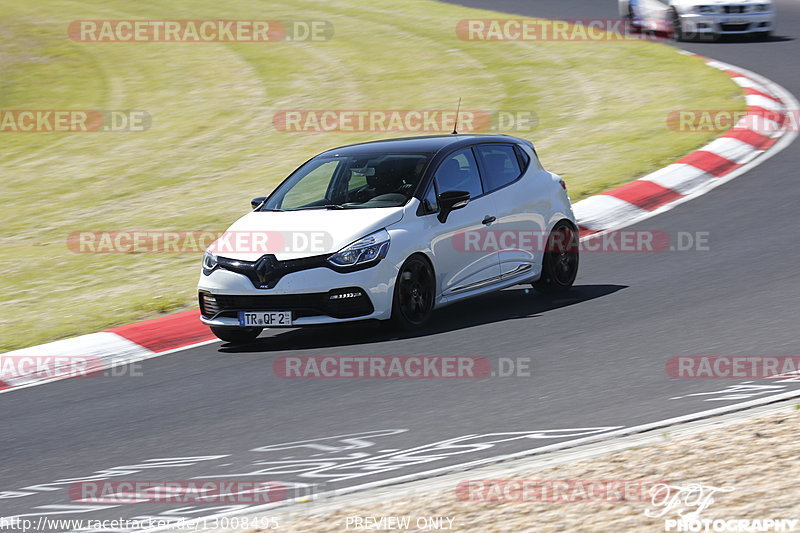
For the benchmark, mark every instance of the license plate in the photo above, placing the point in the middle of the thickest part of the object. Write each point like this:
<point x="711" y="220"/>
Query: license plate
<point x="737" y="21"/>
<point x="265" y="319"/>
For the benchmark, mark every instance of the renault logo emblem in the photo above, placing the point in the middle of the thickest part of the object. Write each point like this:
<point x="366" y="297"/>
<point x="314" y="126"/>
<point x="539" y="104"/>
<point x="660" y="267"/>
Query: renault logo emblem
<point x="264" y="268"/>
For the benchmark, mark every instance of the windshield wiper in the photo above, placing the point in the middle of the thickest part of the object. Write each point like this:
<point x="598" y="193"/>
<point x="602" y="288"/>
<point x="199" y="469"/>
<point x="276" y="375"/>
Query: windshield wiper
<point x="329" y="207"/>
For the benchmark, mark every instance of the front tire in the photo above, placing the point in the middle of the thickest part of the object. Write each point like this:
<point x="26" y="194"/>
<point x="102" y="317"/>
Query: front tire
<point x="235" y="335"/>
<point x="677" y="26"/>
<point x="630" y="16"/>
<point x="560" y="262"/>
<point x="414" y="292"/>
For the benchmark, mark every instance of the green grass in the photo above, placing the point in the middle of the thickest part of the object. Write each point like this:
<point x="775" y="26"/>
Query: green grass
<point x="212" y="146"/>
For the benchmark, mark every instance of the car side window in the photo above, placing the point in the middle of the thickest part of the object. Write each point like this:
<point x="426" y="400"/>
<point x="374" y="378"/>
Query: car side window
<point x="524" y="159"/>
<point x="459" y="172"/>
<point x="500" y="165"/>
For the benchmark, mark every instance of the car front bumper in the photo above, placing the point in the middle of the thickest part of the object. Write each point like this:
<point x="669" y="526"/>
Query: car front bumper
<point x="725" y="24"/>
<point x="307" y="294"/>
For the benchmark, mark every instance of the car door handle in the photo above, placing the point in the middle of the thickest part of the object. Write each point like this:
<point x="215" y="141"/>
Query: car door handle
<point x="489" y="219"/>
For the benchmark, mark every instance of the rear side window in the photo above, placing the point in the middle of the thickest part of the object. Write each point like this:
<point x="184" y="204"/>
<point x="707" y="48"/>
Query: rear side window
<point x="500" y="165"/>
<point x="524" y="159"/>
<point x="459" y="172"/>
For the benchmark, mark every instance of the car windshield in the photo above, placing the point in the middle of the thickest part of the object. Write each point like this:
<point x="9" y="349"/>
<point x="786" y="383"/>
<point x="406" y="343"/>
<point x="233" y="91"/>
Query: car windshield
<point x="350" y="182"/>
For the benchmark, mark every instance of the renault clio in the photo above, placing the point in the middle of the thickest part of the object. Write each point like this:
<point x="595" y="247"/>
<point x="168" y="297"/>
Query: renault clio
<point x="391" y="230"/>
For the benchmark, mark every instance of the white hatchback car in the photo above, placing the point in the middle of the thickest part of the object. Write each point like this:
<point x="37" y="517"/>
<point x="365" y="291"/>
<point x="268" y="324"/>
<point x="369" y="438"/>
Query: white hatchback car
<point x="390" y="230"/>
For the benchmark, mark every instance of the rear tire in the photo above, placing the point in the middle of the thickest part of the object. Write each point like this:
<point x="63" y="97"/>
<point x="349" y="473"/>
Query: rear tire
<point x="235" y="335"/>
<point x="414" y="292"/>
<point x="560" y="262"/>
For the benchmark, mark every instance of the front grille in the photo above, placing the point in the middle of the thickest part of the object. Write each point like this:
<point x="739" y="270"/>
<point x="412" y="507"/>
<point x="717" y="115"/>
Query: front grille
<point x="735" y="27"/>
<point x="268" y="271"/>
<point x="735" y="9"/>
<point x="301" y="305"/>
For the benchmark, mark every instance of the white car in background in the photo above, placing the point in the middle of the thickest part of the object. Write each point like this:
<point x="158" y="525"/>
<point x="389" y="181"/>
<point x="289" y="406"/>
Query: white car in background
<point x="690" y="19"/>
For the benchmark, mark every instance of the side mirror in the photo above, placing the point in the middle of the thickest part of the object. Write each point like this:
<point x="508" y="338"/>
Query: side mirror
<point x="450" y="201"/>
<point x="255" y="202"/>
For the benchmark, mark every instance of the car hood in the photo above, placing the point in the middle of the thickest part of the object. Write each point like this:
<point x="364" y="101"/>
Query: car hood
<point x="298" y="234"/>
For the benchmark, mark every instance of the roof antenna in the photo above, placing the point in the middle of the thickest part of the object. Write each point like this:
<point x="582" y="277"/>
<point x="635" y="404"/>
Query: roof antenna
<point x="455" y="126"/>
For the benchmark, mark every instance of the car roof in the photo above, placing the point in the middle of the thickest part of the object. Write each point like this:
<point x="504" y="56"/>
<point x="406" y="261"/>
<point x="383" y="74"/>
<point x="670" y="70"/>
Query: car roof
<point x="428" y="144"/>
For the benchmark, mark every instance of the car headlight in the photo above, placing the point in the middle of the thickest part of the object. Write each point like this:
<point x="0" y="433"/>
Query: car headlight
<point x="209" y="263"/>
<point x="364" y="252"/>
<point x="763" y="7"/>
<point x="705" y="10"/>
